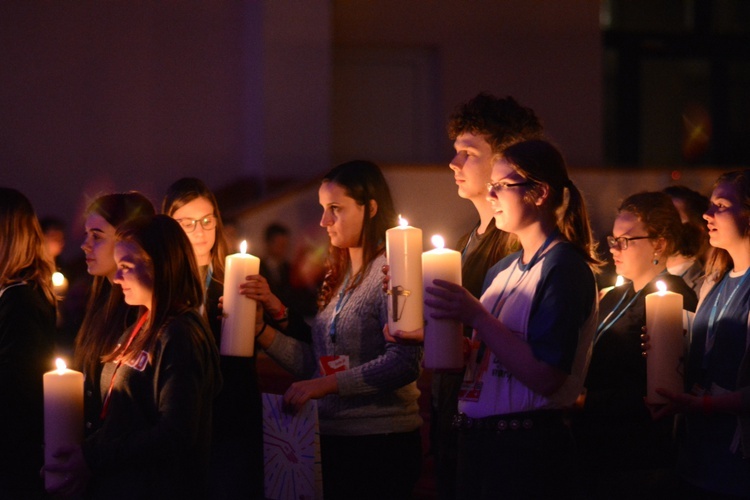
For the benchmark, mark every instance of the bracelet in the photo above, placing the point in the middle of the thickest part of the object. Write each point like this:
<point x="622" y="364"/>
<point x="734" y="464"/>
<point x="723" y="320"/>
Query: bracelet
<point x="262" y="331"/>
<point x="281" y="315"/>
<point x="708" y="405"/>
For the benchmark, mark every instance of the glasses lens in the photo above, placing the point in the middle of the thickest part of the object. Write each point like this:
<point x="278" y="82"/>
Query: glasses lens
<point x="188" y="225"/>
<point x="614" y="242"/>
<point x="208" y="222"/>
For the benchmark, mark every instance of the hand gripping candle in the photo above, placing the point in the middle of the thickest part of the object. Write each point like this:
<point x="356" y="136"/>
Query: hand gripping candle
<point x="404" y="254"/>
<point x="63" y="415"/>
<point x="443" y="339"/>
<point x="664" y="326"/>
<point x="238" y="325"/>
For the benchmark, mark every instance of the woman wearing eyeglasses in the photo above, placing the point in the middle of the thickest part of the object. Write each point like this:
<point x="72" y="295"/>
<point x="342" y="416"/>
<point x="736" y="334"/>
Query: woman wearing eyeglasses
<point x="236" y="466"/>
<point x="532" y="332"/>
<point x="624" y="453"/>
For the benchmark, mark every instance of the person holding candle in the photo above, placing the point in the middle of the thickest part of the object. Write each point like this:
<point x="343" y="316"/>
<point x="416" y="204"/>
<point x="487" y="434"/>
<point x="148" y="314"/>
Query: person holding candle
<point x="236" y="468"/>
<point x="532" y="333"/>
<point x="479" y="128"/>
<point x="714" y="456"/>
<point x="27" y="335"/>
<point x="365" y="387"/>
<point x="107" y="314"/>
<point x="157" y="385"/>
<point x="638" y="458"/>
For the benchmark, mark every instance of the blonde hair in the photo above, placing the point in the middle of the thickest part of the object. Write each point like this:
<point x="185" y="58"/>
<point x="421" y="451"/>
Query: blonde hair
<point x="22" y="254"/>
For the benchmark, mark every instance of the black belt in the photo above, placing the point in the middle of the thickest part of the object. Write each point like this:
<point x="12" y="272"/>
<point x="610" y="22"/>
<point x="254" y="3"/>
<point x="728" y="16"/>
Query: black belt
<point x="524" y="421"/>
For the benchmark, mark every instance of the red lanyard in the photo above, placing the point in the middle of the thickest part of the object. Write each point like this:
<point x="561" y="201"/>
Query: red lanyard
<point x="133" y="334"/>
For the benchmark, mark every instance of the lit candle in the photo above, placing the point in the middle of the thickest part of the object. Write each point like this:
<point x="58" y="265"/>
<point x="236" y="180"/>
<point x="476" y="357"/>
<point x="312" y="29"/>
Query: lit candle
<point x="604" y="291"/>
<point x="59" y="285"/>
<point x="443" y="339"/>
<point x="404" y="253"/>
<point x="238" y="325"/>
<point x="664" y="325"/>
<point x="63" y="415"/>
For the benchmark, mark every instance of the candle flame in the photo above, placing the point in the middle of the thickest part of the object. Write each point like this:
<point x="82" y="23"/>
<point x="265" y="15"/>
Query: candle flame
<point x="402" y="222"/>
<point x="438" y="241"/>
<point x="662" y="287"/>
<point x="58" y="279"/>
<point x="619" y="281"/>
<point x="60" y="366"/>
<point x="243" y="246"/>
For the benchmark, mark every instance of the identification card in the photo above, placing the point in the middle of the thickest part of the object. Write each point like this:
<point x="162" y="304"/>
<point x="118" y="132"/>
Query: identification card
<point x="333" y="364"/>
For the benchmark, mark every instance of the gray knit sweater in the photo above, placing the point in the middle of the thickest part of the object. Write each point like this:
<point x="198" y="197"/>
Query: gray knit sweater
<point x="378" y="394"/>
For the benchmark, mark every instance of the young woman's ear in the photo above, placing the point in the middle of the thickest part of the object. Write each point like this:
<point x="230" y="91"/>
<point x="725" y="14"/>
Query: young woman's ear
<point x="373" y="208"/>
<point x="660" y="244"/>
<point x="542" y="191"/>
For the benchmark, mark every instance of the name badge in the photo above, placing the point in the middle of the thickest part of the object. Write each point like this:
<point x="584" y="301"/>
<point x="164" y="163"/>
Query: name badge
<point x="333" y="364"/>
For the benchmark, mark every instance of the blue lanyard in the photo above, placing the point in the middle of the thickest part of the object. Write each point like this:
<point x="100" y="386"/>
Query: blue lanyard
<point x="524" y="271"/>
<point x="344" y="296"/>
<point x="713" y="318"/>
<point x="209" y="277"/>
<point x="604" y="325"/>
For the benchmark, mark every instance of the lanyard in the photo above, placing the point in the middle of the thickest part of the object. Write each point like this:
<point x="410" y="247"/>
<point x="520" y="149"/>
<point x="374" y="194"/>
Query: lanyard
<point x="136" y="329"/>
<point x="713" y="318"/>
<point x="209" y="277"/>
<point x="524" y="271"/>
<point x="344" y="296"/>
<point x="605" y="324"/>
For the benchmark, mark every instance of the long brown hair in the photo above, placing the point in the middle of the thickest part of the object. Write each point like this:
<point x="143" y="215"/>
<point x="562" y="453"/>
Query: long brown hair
<point x="106" y="311"/>
<point x="363" y="181"/>
<point x="719" y="261"/>
<point x="22" y="254"/>
<point x="166" y="249"/>
<point x="543" y="164"/>
<point x="182" y="192"/>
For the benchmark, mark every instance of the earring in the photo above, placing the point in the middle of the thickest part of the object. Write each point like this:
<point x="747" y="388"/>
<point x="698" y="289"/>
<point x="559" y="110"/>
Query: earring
<point x="656" y="259"/>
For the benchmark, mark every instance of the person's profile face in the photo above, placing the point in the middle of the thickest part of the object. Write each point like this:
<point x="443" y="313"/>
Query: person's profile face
<point x="342" y="217"/>
<point x="472" y="165"/>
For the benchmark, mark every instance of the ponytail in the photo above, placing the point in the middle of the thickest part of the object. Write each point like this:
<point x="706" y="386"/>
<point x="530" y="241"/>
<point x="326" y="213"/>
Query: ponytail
<point x="575" y="227"/>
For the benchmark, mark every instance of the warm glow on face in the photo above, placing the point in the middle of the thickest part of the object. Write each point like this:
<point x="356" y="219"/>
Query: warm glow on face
<point x="402" y="222"/>
<point x="58" y="279"/>
<point x="662" y="287"/>
<point x="438" y="241"/>
<point x="243" y="247"/>
<point x="60" y="366"/>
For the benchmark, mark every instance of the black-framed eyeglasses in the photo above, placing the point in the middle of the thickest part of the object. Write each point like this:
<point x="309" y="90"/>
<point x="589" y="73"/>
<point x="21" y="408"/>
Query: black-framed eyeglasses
<point x="621" y="242"/>
<point x="496" y="187"/>
<point x="207" y="222"/>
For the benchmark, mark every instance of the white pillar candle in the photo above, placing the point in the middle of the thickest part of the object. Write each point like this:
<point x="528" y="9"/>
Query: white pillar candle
<point x="443" y="338"/>
<point x="63" y="415"/>
<point x="404" y="253"/>
<point x="238" y="325"/>
<point x="664" y="325"/>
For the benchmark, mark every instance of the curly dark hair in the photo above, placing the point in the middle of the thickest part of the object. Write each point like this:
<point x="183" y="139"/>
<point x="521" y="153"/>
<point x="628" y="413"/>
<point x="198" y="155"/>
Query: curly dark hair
<point x="502" y="121"/>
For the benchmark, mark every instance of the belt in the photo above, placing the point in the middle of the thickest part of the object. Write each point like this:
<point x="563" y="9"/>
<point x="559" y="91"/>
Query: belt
<point x="524" y="421"/>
